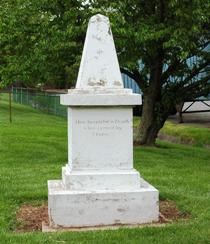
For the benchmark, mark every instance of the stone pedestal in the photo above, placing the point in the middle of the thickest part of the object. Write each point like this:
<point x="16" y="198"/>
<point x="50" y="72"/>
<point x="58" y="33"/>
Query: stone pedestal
<point x="70" y="208"/>
<point x="99" y="185"/>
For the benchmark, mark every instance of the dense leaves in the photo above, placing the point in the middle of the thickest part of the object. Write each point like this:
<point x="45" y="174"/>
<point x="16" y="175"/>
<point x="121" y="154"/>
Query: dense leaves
<point x="41" y="40"/>
<point x="163" y="44"/>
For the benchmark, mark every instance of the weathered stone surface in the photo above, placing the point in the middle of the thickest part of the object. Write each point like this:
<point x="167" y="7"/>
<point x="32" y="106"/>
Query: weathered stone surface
<point x="70" y="208"/>
<point x="100" y="138"/>
<point x="99" y="65"/>
<point x="100" y="100"/>
<point x="93" y="180"/>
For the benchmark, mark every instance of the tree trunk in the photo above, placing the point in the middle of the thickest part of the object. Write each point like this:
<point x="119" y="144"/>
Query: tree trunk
<point x="153" y="113"/>
<point x="151" y="122"/>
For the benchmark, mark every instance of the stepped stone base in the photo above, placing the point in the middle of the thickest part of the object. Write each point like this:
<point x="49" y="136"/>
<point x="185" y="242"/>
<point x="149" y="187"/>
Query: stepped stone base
<point x="69" y="208"/>
<point x="92" y="180"/>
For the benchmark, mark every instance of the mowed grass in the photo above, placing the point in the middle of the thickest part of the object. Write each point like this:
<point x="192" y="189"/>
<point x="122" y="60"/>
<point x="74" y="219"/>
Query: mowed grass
<point x="33" y="148"/>
<point x="195" y="135"/>
<point x="187" y="134"/>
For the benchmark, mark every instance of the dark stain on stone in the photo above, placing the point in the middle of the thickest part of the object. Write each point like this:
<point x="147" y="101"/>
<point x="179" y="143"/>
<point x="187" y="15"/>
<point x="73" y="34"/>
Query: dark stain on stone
<point x="98" y="18"/>
<point x="81" y="211"/>
<point x="102" y="82"/>
<point x="117" y="221"/>
<point x="121" y="210"/>
<point x="96" y="83"/>
<point x="117" y="83"/>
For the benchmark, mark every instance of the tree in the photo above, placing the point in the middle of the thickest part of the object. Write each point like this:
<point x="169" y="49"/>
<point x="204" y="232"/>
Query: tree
<point x="155" y="40"/>
<point x="41" y="41"/>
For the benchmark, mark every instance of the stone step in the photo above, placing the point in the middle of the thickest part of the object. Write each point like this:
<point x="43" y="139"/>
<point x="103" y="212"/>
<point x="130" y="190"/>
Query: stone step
<point x="100" y="208"/>
<point x="100" y="180"/>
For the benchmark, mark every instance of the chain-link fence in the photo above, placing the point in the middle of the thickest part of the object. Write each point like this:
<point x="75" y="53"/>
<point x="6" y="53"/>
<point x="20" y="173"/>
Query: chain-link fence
<point x="44" y="101"/>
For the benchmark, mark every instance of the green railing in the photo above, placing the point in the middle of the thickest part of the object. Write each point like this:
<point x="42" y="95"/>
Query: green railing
<point x="46" y="102"/>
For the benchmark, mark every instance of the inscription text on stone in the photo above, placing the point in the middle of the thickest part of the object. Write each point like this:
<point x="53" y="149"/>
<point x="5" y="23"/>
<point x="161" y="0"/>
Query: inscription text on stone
<point x="103" y="127"/>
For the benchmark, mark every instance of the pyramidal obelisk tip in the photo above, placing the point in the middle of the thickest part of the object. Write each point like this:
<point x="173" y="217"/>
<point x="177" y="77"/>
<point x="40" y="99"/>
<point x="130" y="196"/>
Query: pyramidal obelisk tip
<point x="99" y="17"/>
<point x="99" y="66"/>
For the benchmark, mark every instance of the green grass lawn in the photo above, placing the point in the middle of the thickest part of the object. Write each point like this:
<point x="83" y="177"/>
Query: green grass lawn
<point x="34" y="147"/>
<point x="187" y="134"/>
<point x="195" y="135"/>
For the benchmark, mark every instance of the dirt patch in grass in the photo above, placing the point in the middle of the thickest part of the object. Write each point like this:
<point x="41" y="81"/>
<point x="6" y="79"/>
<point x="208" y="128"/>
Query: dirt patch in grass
<point x="175" y="139"/>
<point x="169" y="212"/>
<point x="179" y="140"/>
<point x="30" y="218"/>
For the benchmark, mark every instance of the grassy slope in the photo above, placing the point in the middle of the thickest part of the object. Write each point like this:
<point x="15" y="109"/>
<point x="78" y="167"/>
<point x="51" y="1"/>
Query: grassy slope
<point x="189" y="134"/>
<point x="33" y="148"/>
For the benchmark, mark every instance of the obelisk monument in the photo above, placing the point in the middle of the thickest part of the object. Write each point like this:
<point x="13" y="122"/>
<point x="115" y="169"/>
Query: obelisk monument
<point x="99" y="185"/>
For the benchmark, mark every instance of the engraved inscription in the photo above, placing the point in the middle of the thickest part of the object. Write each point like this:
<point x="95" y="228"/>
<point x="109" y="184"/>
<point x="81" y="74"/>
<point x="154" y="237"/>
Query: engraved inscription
<point x="102" y="127"/>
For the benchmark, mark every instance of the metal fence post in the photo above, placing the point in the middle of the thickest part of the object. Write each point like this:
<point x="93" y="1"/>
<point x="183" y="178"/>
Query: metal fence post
<point x="27" y="97"/>
<point x="55" y="104"/>
<point x="21" y="98"/>
<point x="10" y="106"/>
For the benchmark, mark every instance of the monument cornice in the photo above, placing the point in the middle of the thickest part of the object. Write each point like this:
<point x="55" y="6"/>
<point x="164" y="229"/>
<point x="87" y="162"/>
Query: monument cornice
<point x="101" y="99"/>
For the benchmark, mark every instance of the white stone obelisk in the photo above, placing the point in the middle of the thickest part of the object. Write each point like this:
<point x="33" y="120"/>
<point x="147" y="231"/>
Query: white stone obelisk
<point x="99" y="185"/>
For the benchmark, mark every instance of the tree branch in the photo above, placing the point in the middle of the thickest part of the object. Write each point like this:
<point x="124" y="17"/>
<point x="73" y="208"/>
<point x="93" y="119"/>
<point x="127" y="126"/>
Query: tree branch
<point x="170" y="70"/>
<point x="196" y="70"/>
<point x="135" y="75"/>
<point x="199" y="88"/>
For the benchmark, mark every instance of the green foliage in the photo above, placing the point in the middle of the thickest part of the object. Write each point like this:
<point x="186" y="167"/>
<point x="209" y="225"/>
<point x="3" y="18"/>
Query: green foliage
<point x="40" y="40"/>
<point x="165" y="34"/>
<point x="188" y="134"/>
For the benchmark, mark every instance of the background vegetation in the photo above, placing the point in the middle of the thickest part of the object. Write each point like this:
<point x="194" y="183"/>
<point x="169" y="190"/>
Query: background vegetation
<point x="41" y="43"/>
